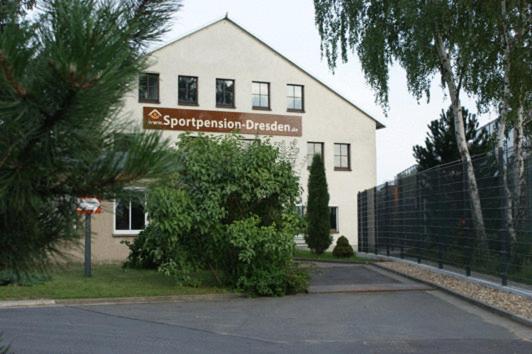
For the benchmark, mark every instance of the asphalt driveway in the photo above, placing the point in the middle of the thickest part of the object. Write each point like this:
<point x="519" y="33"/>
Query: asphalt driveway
<point x="415" y="321"/>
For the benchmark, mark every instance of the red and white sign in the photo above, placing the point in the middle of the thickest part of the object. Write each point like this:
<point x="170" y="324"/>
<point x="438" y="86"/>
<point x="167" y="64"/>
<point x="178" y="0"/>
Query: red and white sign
<point x="89" y="205"/>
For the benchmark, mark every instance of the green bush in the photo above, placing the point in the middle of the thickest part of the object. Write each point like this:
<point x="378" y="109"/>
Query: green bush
<point x="343" y="249"/>
<point x="264" y="264"/>
<point x="318" y="236"/>
<point x="230" y="210"/>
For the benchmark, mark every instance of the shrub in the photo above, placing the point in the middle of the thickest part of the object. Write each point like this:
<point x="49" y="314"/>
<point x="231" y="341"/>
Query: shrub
<point x="230" y="210"/>
<point x="318" y="237"/>
<point x="264" y="262"/>
<point x="343" y="249"/>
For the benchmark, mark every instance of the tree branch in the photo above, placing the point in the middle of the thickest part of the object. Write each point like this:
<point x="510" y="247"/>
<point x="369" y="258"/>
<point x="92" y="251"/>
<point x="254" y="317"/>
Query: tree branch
<point x="7" y="71"/>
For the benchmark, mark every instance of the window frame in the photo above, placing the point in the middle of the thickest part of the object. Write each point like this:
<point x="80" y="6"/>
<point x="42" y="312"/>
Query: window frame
<point x="150" y="100"/>
<point x="261" y="108"/>
<point x="128" y="232"/>
<point x="309" y="162"/>
<point x="296" y="110"/>
<point x="342" y="168"/>
<point x="223" y="105"/>
<point x="337" y="230"/>
<point x="187" y="103"/>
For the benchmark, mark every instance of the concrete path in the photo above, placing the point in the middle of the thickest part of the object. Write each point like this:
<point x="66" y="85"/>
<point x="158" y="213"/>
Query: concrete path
<point x="415" y="321"/>
<point x="334" y="277"/>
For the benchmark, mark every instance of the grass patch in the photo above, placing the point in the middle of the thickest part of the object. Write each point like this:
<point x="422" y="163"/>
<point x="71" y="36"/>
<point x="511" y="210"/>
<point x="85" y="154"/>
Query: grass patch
<point x="327" y="256"/>
<point x="110" y="280"/>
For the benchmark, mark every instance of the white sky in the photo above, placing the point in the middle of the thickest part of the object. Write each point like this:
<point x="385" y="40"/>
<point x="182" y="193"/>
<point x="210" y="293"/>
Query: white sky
<point x="288" y="26"/>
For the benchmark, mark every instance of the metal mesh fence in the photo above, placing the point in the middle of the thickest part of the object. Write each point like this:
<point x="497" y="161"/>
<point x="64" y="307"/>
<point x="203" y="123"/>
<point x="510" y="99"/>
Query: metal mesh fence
<point x="427" y="216"/>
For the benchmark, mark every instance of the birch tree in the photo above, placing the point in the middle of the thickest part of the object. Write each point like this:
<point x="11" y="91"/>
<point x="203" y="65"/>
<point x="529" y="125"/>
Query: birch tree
<point x="424" y="37"/>
<point x="499" y="74"/>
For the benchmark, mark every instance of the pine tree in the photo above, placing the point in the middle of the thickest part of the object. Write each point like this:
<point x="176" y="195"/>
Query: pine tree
<point x="440" y="144"/>
<point x="318" y="237"/>
<point x="63" y="74"/>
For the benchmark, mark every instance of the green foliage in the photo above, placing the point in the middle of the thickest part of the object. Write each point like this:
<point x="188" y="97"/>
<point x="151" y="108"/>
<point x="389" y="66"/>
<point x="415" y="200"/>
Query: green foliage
<point x="440" y="144"/>
<point x="475" y="34"/>
<point x="159" y="245"/>
<point x="63" y="74"/>
<point x="233" y="213"/>
<point x="264" y="264"/>
<point x="318" y="237"/>
<point x="343" y="249"/>
<point x="66" y="281"/>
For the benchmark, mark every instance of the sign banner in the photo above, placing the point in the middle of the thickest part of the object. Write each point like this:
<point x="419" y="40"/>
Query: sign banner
<point x="89" y="205"/>
<point x="221" y="122"/>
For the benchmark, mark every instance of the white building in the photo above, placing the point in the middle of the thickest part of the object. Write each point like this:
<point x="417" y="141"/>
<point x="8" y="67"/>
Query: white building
<point x="221" y="77"/>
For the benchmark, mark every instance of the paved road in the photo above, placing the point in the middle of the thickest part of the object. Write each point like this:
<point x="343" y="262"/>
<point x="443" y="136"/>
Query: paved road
<point x="382" y="322"/>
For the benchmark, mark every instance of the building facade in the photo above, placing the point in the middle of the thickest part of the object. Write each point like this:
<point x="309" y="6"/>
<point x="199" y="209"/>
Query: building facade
<point x="221" y="78"/>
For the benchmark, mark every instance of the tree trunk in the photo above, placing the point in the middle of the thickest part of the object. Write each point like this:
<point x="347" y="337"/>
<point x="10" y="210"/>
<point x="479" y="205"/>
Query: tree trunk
<point x="519" y="166"/>
<point x="512" y="201"/>
<point x="503" y="170"/>
<point x="449" y="80"/>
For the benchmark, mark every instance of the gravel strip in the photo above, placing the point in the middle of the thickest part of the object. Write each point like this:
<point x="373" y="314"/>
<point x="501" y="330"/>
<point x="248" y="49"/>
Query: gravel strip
<point x="512" y="303"/>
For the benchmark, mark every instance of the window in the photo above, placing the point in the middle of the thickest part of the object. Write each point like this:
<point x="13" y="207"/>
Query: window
<point x="295" y="98"/>
<point x="130" y="217"/>
<point x="333" y="211"/>
<point x="225" y="93"/>
<point x="245" y="143"/>
<point x="342" y="158"/>
<point x="260" y="93"/>
<point x="187" y="88"/>
<point x="149" y="88"/>
<point x="301" y="210"/>
<point x="314" y="148"/>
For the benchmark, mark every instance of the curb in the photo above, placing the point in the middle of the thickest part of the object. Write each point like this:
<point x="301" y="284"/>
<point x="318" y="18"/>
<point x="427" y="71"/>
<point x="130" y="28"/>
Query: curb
<point x="509" y="289"/>
<point x="114" y="301"/>
<point x="300" y="259"/>
<point x="483" y="305"/>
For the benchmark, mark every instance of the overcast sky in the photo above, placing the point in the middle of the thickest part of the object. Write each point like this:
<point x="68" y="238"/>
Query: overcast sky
<point x="288" y="26"/>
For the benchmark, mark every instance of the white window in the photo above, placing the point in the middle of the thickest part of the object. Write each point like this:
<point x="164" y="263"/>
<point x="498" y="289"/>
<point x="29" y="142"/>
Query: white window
<point x="260" y="95"/>
<point x="296" y="100"/>
<point x="342" y="157"/>
<point x="129" y="216"/>
<point x="314" y="148"/>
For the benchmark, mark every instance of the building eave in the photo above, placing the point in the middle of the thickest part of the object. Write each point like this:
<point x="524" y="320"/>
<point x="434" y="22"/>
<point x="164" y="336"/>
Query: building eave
<point x="379" y="125"/>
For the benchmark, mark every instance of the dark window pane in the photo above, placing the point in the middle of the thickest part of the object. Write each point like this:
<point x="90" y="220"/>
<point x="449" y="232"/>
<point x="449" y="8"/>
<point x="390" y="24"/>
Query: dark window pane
<point x="334" y="224"/>
<point x="137" y="215"/>
<point x="122" y="215"/>
<point x="225" y="92"/>
<point x="149" y="87"/>
<point x="188" y="90"/>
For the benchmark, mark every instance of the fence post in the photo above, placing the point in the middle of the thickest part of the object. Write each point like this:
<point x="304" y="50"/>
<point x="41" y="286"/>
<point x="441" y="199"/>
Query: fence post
<point x="359" y="223"/>
<point x="376" y="221"/>
<point x="401" y="218"/>
<point x="440" y="207"/>
<point x="503" y="230"/>
<point x="420" y="216"/>
<point x="387" y="211"/>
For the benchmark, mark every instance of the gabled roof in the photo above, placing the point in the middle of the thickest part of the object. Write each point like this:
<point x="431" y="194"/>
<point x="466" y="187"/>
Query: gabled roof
<point x="226" y="18"/>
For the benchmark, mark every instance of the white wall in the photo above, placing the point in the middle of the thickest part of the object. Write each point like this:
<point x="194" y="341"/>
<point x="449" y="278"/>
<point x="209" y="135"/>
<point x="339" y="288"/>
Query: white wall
<point x="222" y="50"/>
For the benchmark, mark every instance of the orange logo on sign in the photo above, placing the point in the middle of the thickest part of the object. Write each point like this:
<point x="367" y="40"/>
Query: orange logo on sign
<point x="155" y="115"/>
